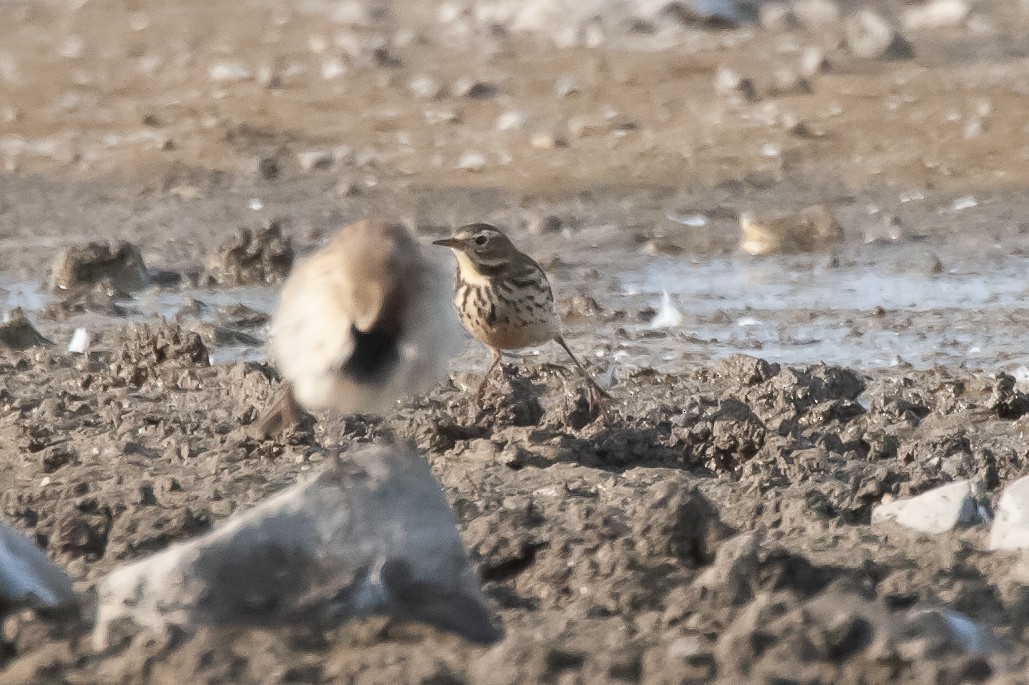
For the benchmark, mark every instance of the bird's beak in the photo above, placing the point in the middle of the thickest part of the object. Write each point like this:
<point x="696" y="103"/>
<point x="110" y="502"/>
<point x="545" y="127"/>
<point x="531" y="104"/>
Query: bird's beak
<point x="453" y="243"/>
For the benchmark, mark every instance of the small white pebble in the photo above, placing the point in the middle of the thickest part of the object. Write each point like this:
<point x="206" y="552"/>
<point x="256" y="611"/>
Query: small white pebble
<point x="668" y="314"/>
<point x="510" y="120"/>
<point x="80" y="341"/>
<point x="333" y="68"/>
<point x="317" y="44"/>
<point x="566" y="86"/>
<point x="966" y="202"/>
<point x="471" y="161"/>
<point x="425" y="87"/>
<point x="691" y="220"/>
<point x="71" y="47"/>
<point x="228" y="71"/>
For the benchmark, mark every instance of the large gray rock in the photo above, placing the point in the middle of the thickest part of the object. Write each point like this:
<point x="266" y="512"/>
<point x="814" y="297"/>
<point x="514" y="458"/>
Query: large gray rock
<point x="1011" y="527"/>
<point x="27" y="576"/>
<point x="370" y="534"/>
<point x="936" y="511"/>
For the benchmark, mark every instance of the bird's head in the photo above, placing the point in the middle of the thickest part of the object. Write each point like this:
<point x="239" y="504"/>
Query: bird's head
<point x="482" y="244"/>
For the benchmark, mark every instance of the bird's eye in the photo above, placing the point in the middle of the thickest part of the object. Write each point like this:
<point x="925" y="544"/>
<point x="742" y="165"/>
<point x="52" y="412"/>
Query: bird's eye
<point x="481" y="240"/>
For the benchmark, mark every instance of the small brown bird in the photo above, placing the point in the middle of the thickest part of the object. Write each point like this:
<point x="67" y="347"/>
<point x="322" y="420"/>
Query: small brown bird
<point x="504" y="299"/>
<point x="360" y="323"/>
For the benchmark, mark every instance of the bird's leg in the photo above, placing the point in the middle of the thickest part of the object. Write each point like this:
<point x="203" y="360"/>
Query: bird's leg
<point x="290" y="409"/>
<point x="485" y="379"/>
<point x="283" y="414"/>
<point x="597" y="395"/>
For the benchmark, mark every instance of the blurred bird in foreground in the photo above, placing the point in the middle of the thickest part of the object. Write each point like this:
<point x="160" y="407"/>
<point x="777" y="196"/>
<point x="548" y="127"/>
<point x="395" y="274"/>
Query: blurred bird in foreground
<point x="360" y="323"/>
<point x="504" y="299"/>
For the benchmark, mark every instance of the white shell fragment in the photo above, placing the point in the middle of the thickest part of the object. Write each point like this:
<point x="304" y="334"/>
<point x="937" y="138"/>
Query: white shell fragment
<point x="80" y="341"/>
<point x="668" y="314"/>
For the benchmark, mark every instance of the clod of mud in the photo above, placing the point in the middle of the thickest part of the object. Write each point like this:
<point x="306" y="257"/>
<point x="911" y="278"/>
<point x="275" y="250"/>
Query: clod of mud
<point x="1006" y="401"/>
<point x="242" y="316"/>
<point x="250" y="258"/>
<point x="28" y="578"/>
<point x="372" y="533"/>
<point x="17" y="332"/>
<point x="163" y="351"/>
<point x="812" y="228"/>
<point x="217" y="336"/>
<point x="514" y="401"/>
<point x="745" y="568"/>
<point x="101" y="297"/>
<point x="83" y="266"/>
<point x="841" y="636"/>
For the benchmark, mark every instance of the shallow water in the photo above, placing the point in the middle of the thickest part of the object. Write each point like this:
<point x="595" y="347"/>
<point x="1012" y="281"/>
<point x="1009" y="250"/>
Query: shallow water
<point x="149" y="305"/>
<point x="865" y="313"/>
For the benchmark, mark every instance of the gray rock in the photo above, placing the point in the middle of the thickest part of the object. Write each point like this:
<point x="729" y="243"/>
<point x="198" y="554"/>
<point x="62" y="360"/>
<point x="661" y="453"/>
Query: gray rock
<point x="1011" y="527"/>
<point x="871" y="36"/>
<point x="370" y="534"/>
<point x="27" y="576"/>
<point x="936" y="511"/>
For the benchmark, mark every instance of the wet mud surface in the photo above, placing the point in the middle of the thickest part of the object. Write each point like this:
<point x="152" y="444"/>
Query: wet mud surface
<point x="716" y="526"/>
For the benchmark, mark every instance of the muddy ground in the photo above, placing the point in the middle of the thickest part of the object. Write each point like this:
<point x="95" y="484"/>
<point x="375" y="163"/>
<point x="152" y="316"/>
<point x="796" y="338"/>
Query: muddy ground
<point x="716" y="526"/>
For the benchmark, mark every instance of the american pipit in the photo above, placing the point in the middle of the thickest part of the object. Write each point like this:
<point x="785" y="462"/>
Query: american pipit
<point x="360" y="323"/>
<point x="504" y="299"/>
